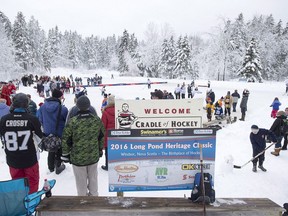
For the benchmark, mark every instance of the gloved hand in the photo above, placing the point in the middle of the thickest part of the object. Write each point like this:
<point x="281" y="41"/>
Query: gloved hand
<point x="65" y="158"/>
<point x="100" y="153"/>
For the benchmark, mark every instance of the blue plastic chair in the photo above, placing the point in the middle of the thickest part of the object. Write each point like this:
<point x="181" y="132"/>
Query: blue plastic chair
<point x="15" y="200"/>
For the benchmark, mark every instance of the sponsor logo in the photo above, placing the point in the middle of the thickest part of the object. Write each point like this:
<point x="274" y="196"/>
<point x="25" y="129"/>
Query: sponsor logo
<point x="175" y="132"/>
<point x="161" y="174"/>
<point x="203" y="131"/>
<point x="187" y="177"/>
<point x="153" y="132"/>
<point x="195" y="166"/>
<point x="120" y="133"/>
<point x="126" y="168"/>
<point x="128" y="178"/>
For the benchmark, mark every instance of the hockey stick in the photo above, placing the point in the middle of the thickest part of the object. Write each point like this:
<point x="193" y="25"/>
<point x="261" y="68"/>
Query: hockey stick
<point x="239" y="167"/>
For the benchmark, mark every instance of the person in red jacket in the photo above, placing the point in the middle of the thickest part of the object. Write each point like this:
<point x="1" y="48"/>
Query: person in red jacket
<point x="11" y="88"/>
<point x="108" y="119"/>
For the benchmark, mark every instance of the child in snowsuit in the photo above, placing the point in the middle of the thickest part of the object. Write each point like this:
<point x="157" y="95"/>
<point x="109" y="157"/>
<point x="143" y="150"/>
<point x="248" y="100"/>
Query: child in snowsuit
<point x="218" y="111"/>
<point x="275" y="107"/>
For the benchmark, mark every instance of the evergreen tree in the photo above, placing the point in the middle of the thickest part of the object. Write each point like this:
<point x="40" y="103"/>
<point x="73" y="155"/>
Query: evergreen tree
<point x="37" y="39"/>
<point x="122" y="52"/>
<point x="8" y="66"/>
<point x="47" y="56"/>
<point x="183" y="57"/>
<point x="251" y="68"/>
<point x="21" y="41"/>
<point x="54" y="39"/>
<point x="167" y="60"/>
<point x="90" y="53"/>
<point x="6" y="23"/>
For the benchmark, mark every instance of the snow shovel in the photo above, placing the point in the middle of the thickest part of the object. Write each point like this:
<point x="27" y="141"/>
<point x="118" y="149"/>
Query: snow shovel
<point x="239" y="167"/>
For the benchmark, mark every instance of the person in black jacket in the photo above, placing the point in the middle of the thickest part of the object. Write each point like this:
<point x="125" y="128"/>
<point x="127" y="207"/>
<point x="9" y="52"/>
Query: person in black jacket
<point x="19" y="130"/>
<point x="258" y="141"/>
<point x="277" y="128"/>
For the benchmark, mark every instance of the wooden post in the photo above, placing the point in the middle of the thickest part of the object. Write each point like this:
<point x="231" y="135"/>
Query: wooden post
<point x="202" y="179"/>
<point x="120" y="194"/>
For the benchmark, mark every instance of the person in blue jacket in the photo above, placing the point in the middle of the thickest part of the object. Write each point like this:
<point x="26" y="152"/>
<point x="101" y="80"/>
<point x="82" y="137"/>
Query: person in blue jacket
<point x="4" y="108"/>
<point x="48" y="116"/>
<point x="275" y="107"/>
<point x="258" y="141"/>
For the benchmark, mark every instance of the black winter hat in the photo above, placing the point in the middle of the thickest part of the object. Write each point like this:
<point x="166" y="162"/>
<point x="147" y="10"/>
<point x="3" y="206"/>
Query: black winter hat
<point x="254" y="127"/>
<point x="20" y="100"/>
<point x="57" y="93"/>
<point x="83" y="103"/>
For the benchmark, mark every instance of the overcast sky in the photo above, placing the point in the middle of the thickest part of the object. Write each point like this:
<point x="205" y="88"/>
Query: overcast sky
<point x="108" y="17"/>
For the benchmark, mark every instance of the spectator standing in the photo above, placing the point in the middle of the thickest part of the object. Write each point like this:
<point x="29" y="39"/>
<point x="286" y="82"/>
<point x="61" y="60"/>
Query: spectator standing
<point x="210" y="94"/>
<point x="108" y="119"/>
<point x="46" y="86"/>
<point x="228" y="100"/>
<point x="48" y="116"/>
<point x="284" y="147"/>
<point x="275" y="107"/>
<point x="149" y="83"/>
<point x="21" y="154"/>
<point x="4" y="109"/>
<point x="183" y="91"/>
<point x="177" y="91"/>
<point x="32" y="107"/>
<point x="235" y="96"/>
<point x="83" y="139"/>
<point x="286" y="84"/>
<point x="276" y="128"/>
<point x="243" y="104"/>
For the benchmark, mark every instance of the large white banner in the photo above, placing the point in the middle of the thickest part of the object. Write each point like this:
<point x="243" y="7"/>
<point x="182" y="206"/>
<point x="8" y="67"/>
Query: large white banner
<point x="147" y="114"/>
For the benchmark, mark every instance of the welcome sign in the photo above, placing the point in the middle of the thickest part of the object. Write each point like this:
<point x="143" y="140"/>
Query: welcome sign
<point x="136" y="114"/>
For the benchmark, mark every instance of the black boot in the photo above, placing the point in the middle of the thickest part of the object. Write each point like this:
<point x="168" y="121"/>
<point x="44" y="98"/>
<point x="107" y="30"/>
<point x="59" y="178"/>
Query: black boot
<point x="242" y="117"/>
<point x="284" y="147"/>
<point x="254" y="169"/>
<point x="104" y="168"/>
<point x="261" y="166"/>
<point x="60" y="169"/>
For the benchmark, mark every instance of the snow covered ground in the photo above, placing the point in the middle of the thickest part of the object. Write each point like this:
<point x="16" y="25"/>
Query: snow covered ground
<point x="232" y="142"/>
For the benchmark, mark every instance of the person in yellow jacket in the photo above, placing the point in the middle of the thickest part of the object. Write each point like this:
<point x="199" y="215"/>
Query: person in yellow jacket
<point x="209" y="109"/>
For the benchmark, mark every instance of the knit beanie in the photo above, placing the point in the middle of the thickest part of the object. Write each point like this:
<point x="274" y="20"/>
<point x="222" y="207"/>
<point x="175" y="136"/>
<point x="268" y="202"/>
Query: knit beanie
<point x="254" y="127"/>
<point x="83" y="103"/>
<point x="57" y="93"/>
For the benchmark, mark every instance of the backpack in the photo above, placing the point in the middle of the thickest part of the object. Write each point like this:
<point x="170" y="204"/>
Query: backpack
<point x="197" y="195"/>
<point x="284" y="127"/>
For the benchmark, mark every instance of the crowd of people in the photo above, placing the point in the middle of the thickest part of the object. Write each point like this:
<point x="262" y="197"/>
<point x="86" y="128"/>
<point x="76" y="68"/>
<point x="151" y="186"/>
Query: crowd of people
<point x="80" y="128"/>
<point x="84" y="134"/>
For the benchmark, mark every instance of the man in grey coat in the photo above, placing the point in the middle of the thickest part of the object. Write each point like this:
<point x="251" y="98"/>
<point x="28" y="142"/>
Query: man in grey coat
<point x="243" y="104"/>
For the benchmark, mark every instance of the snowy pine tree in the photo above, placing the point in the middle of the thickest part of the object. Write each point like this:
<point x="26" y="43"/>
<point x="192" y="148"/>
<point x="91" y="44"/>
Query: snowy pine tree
<point x="167" y="58"/>
<point x="21" y="41"/>
<point x="123" y="52"/>
<point x="251" y="68"/>
<point x="183" y="57"/>
<point x="37" y="42"/>
<point x="6" y="23"/>
<point x="9" y="69"/>
<point x="47" y="57"/>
